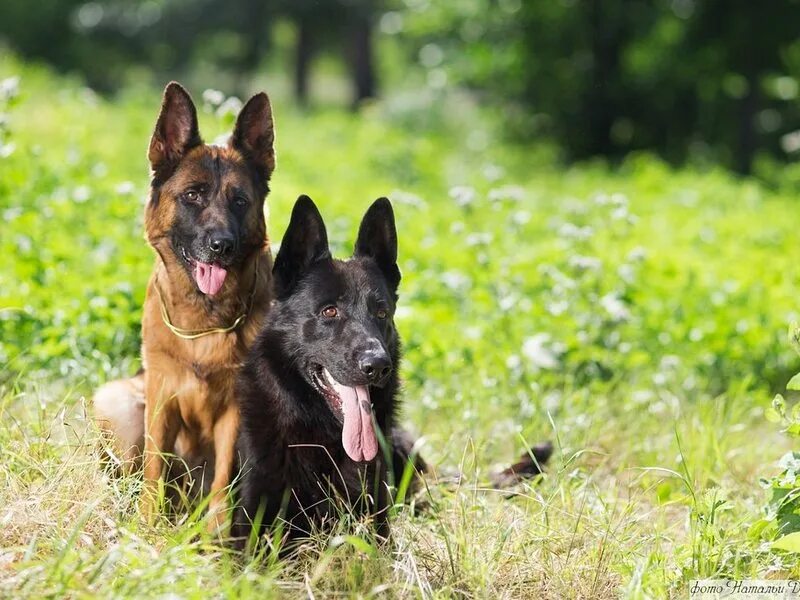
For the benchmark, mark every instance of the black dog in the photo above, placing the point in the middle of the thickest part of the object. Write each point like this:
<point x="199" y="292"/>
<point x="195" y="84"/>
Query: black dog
<point x="320" y="384"/>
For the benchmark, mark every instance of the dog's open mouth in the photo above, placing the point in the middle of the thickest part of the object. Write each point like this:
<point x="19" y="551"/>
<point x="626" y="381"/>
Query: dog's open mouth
<point x="353" y="406"/>
<point x="209" y="277"/>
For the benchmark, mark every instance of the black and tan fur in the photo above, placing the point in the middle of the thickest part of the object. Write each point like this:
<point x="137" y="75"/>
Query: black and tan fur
<point x="182" y="404"/>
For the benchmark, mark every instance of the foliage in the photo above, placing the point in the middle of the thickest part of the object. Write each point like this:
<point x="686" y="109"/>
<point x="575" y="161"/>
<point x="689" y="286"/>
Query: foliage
<point x="687" y="79"/>
<point x="705" y="81"/>
<point x="634" y="316"/>
<point x="783" y="510"/>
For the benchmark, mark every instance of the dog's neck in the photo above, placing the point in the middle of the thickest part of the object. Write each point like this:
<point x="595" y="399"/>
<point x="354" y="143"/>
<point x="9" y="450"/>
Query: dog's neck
<point x="242" y="293"/>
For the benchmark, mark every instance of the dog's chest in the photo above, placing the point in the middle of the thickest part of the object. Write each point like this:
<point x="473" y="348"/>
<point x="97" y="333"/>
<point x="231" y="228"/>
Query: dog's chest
<point x="322" y="485"/>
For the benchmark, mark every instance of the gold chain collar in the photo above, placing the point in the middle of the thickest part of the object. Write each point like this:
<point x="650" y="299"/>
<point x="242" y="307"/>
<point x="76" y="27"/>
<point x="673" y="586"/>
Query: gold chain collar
<point x="189" y="334"/>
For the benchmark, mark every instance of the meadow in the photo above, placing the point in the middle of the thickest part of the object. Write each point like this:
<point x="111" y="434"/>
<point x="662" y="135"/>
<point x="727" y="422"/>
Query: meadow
<point x="636" y="316"/>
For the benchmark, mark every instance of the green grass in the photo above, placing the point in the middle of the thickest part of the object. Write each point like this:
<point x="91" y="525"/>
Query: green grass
<point x="635" y="316"/>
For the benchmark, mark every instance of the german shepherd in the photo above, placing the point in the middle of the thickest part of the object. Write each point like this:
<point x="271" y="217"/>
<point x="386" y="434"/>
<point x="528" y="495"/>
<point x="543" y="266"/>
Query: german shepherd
<point x="320" y="387"/>
<point x="321" y="381"/>
<point x="206" y="298"/>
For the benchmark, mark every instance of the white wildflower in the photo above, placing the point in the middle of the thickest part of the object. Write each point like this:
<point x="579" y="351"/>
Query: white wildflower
<point x="231" y="106"/>
<point x="637" y="254"/>
<point x="585" y="263"/>
<point x="213" y="97"/>
<point x="479" y="238"/>
<point x="455" y="280"/>
<point x="464" y="195"/>
<point x="572" y="231"/>
<point x="538" y="350"/>
<point x="615" y="307"/>
<point x="514" y="193"/>
<point x="9" y="88"/>
<point x="81" y="193"/>
<point x="521" y="217"/>
<point x="125" y="188"/>
<point x="559" y="307"/>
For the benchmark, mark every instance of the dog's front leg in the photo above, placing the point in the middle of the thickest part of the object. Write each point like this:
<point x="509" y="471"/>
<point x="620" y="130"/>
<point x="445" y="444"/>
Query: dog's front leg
<point x="225" y="430"/>
<point x="162" y="425"/>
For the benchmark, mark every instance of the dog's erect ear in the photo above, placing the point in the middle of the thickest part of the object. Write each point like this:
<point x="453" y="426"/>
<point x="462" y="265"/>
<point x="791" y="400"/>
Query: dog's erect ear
<point x="304" y="243"/>
<point x="377" y="239"/>
<point x="254" y="134"/>
<point x="176" y="130"/>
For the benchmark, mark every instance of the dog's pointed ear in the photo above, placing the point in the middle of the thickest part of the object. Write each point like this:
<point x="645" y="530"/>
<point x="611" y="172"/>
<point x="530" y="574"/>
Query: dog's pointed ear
<point x="377" y="239"/>
<point x="176" y="130"/>
<point x="304" y="243"/>
<point x="254" y="133"/>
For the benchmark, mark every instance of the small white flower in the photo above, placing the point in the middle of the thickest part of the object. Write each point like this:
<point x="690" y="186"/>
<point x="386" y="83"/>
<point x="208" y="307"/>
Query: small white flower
<point x="670" y="362"/>
<point x="552" y="401"/>
<point x="455" y="280"/>
<point x="637" y="254"/>
<point x="513" y="362"/>
<point x="572" y="231"/>
<point x="602" y="199"/>
<point x="507" y="192"/>
<point x="402" y="312"/>
<point x="9" y="87"/>
<point x="619" y="199"/>
<point x="538" y="351"/>
<point x="585" y="263"/>
<point x="626" y="272"/>
<point x="81" y="193"/>
<point x="7" y="150"/>
<point x="125" y="188"/>
<point x="508" y="302"/>
<point x="521" y="217"/>
<point x="615" y="307"/>
<point x="407" y="198"/>
<point x="213" y="97"/>
<point x="473" y="332"/>
<point x="790" y="142"/>
<point x="620" y="213"/>
<point x="231" y="106"/>
<point x="479" y="238"/>
<point x="464" y="195"/>
<point x="559" y="307"/>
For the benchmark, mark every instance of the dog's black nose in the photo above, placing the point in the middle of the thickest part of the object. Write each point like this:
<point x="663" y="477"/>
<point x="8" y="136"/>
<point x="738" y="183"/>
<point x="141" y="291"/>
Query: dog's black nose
<point x="376" y="366"/>
<point x="220" y="244"/>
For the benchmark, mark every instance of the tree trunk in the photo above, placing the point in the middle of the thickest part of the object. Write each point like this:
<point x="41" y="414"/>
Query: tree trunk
<point x="302" y="60"/>
<point x="748" y="108"/>
<point x="362" y="58"/>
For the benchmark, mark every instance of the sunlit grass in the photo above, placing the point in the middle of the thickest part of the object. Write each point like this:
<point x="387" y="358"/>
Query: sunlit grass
<point x="637" y="318"/>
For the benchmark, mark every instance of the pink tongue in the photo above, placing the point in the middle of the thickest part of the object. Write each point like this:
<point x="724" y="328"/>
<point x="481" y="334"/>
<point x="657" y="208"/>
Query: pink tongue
<point x="358" y="434"/>
<point x="209" y="278"/>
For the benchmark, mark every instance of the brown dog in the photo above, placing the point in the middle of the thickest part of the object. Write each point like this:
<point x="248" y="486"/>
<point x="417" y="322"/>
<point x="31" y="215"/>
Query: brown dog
<point x="205" y="302"/>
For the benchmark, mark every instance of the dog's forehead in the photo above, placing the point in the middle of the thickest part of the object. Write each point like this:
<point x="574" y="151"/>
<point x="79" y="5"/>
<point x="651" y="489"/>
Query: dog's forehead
<point x="360" y="279"/>
<point x="217" y="166"/>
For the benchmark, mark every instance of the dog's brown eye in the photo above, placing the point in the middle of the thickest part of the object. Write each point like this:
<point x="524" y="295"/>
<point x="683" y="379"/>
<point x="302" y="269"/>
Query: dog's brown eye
<point x="381" y="313"/>
<point x="330" y="312"/>
<point x="240" y="201"/>
<point x="191" y="195"/>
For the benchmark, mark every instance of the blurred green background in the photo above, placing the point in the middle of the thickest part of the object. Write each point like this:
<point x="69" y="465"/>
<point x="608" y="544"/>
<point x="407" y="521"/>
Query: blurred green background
<point x="705" y="81"/>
